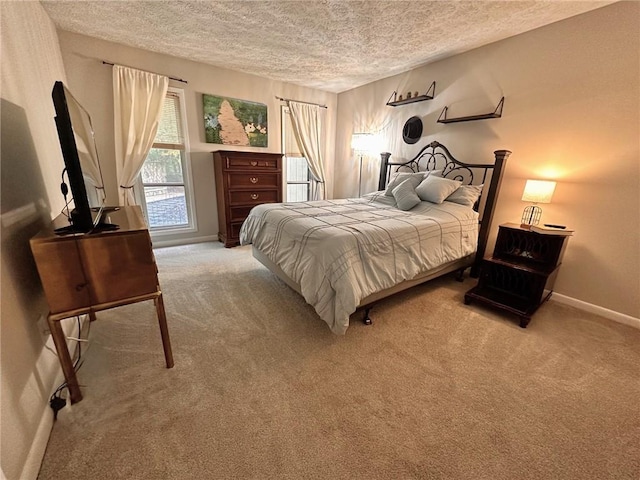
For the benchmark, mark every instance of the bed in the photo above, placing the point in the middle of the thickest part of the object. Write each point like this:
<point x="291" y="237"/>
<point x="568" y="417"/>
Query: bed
<point x="345" y="254"/>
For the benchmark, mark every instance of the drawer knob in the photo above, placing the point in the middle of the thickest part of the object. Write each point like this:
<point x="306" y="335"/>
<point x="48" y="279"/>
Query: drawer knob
<point x="254" y="163"/>
<point x="254" y="196"/>
<point x="254" y="179"/>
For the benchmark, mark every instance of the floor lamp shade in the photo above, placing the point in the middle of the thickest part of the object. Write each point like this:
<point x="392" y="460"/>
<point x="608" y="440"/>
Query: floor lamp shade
<point x="361" y="143"/>
<point x="536" y="191"/>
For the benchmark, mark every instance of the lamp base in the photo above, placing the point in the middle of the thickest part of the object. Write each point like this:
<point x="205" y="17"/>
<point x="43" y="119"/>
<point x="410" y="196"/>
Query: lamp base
<point x="530" y="216"/>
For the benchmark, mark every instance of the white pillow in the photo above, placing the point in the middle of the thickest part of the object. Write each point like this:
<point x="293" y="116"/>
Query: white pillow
<point x="435" y="189"/>
<point x="397" y="178"/>
<point x="405" y="195"/>
<point x="466" y="195"/>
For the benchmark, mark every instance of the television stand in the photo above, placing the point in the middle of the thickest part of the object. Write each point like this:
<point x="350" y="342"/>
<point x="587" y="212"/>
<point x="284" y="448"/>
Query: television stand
<point x="84" y="274"/>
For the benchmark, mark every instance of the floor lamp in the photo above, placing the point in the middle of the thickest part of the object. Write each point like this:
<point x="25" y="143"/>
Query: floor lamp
<point x="361" y="144"/>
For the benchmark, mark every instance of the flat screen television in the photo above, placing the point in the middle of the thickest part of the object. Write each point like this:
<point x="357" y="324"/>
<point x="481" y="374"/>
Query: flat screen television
<point x="82" y="165"/>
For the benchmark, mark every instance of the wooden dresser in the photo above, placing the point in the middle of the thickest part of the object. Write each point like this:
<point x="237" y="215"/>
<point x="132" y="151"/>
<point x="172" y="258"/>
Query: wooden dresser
<point x="244" y="180"/>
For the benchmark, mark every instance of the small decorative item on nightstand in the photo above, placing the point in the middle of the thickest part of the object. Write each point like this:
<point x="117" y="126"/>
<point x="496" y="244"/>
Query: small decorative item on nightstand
<point x="520" y="274"/>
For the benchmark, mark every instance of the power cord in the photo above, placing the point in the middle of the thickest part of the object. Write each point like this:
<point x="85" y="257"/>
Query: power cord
<point x="56" y="401"/>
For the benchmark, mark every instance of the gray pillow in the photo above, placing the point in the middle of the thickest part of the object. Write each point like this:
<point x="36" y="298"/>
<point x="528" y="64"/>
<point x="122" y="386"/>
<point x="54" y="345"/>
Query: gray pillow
<point x="398" y="178"/>
<point x="405" y="195"/>
<point x="435" y="189"/>
<point x="466" y="195"/>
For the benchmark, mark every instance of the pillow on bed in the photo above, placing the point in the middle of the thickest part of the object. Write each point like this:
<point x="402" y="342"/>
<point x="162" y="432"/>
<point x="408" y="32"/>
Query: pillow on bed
<point x="405" y="195"/>
<point x="435" y="189"/>
<point x="398" y="178"/>
<point x="466" y="195"/>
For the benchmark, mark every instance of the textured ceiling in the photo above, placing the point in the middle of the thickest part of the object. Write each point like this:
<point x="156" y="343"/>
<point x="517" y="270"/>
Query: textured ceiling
<point x="329" y="45"/>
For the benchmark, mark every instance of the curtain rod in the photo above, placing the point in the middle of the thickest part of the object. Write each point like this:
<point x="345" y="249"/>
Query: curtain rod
<point x="299" y="101"/>
<point x="170" y="78"/>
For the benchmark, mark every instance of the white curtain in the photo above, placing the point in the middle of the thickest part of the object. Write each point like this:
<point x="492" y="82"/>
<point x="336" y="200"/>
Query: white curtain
<point x="308" y="126"/>
<point x="138" y="98"/>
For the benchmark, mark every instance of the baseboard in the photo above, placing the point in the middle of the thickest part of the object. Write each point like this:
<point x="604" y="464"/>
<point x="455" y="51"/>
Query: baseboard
<point x="603" y="312"/>
<point x="184" y="241"/>
<point x="33" y="462"/>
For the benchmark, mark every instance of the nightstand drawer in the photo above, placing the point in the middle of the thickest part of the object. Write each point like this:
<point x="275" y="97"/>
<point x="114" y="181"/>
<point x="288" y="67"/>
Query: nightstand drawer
<point x="528" y="247"/>
<point x="253" y="179"/>
<point x="515" y="281"/>
<point x="253" y="197"/>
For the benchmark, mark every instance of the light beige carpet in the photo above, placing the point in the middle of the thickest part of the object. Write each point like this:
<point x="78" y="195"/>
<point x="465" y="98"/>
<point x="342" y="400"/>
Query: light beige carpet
<point x="261" y="389"/>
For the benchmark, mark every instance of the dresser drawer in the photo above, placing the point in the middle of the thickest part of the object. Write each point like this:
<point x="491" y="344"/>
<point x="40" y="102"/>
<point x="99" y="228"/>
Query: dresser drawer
<point x="253" y="179"/>
<point x="244" y="163"/>
<point x="253" y="197"/>
<point x="238" y="214"/>
<point x="235" y="230"/>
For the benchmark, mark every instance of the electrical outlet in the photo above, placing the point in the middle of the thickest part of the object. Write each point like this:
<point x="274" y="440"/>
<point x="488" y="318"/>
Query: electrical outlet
<point x="43" y="326"/>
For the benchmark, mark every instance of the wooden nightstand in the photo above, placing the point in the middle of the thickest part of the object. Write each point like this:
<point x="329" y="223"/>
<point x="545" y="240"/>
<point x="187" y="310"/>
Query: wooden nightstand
<point x="520" y="274"/>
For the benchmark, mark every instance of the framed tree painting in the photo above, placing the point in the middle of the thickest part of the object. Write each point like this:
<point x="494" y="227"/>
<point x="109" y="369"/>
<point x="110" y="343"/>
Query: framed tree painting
<point x="229" y="121"/>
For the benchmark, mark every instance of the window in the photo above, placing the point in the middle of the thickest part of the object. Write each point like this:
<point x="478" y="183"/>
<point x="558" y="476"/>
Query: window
<point x="298" y="178"/>
<point x="165" y="176"/>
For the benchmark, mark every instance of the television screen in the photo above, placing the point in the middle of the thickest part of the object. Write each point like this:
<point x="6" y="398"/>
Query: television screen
<point x="82" y="165"/>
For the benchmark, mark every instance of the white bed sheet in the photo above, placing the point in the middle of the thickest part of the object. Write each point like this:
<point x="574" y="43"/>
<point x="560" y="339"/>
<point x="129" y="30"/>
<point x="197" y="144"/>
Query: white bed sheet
<point x="341" y="251"/>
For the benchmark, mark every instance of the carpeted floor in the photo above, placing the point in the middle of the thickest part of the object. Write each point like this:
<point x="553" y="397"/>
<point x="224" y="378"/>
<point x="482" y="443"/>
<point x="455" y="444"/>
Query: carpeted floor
<point x="261" y="388"/>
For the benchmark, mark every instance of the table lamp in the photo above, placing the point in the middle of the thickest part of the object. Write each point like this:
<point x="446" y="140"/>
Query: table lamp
<point x="535" y="191"/>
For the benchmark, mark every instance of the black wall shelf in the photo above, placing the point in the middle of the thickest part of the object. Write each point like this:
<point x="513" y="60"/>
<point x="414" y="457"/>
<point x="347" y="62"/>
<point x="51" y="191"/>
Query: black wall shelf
<point x="497" y="113"/>
<point x="431" y="92"/>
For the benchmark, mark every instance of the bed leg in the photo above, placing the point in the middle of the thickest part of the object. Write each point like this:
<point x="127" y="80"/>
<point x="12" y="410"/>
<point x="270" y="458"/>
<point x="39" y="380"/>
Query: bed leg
<point x="367" y="320"/>
<point x="460" y="274"/>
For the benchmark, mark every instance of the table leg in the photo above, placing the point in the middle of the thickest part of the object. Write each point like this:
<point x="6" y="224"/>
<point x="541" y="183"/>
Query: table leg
<point x="164" y="331"/>
<point x="65" y="360"/>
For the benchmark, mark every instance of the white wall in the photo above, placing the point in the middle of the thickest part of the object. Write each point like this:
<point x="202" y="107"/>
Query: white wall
<point x="91" y="83"/>
<point x="571" y="113"/>
<point x="30" y="193"/>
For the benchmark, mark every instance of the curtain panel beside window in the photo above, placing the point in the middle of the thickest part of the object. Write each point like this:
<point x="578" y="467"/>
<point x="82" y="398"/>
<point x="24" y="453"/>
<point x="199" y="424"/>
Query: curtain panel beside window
<point x="138" y="100"/>
<point x="308" y="126"/>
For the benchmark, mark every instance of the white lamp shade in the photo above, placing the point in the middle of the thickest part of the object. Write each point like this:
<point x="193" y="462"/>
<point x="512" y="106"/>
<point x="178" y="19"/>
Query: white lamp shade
<point x="362" y="142"/>
<point x="538" y="191"/>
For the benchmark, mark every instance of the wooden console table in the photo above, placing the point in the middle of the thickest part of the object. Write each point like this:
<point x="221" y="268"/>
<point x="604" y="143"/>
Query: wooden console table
<point x="86" y="273"/>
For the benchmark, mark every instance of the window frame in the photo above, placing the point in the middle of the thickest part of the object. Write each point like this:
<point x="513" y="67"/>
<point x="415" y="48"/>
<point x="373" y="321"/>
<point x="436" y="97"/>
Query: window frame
<point x="187" y="177"/>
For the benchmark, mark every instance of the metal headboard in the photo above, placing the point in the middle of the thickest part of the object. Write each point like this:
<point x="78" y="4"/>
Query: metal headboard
<point x="436" y="156"/>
